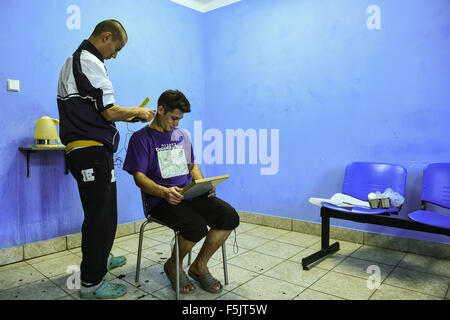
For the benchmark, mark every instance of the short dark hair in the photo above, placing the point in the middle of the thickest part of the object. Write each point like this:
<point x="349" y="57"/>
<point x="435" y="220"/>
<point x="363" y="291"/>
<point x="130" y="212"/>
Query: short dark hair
<point x="174" y="99"/>
<point x="113" y="26"/>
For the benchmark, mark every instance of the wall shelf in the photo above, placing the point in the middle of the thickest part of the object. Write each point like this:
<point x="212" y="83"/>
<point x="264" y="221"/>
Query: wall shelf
<point x="34" y="148"/>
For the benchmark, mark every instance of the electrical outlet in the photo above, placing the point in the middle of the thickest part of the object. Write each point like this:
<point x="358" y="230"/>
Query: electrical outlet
<point x="13" y="85"/>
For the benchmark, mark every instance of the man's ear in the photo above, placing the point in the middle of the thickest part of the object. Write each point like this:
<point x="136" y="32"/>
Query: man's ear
<point x="106" y="36"/>
<point x="160" y="110"/>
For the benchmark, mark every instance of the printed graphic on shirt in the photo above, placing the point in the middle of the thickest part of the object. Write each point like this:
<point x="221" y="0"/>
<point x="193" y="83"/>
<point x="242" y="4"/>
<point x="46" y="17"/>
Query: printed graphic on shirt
<point x="172" y="160"/>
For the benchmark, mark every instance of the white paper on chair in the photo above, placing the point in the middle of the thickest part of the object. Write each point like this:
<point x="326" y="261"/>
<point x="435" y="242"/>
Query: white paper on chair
<point x="340" y="200"/>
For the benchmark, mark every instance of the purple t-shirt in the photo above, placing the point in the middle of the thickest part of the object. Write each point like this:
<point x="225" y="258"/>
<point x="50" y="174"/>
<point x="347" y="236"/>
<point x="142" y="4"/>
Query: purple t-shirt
<point x="164" y="157"/>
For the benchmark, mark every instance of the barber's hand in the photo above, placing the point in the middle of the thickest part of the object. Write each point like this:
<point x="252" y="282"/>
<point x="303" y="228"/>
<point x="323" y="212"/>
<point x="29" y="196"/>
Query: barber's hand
<point x="212" y="193"/>
<point x="145" y="114"/>
<point x="173" y="196"/>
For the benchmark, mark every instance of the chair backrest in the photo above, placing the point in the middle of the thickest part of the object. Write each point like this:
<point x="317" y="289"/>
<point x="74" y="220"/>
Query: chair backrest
<point x="143" y="205"/>
<point x="362" y="178"/>
<point x="436" y="184"/>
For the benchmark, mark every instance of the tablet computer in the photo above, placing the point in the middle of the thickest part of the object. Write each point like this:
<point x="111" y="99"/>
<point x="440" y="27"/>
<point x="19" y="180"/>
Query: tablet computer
<point x="201" y="186"/>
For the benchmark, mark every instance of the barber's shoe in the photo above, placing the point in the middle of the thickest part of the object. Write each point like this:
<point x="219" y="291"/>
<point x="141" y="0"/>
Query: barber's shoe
<point x="115" y="262"/>
<point x="106" y="290"/>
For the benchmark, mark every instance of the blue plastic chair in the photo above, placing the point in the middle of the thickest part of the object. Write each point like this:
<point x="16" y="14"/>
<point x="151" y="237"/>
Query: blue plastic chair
<point x="435" y="190"/>
<point x="362" y="178"/>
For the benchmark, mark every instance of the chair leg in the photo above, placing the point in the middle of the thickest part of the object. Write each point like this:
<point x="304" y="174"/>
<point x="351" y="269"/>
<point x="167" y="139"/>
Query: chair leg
<point x="138" y="264"/>
<point x="177" y="268"/>
<point x="224" y="258"/>
<point x="326" y="248"/>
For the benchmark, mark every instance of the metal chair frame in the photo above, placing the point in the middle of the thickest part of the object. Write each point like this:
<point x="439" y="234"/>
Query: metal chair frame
<point x="177" y="250"/>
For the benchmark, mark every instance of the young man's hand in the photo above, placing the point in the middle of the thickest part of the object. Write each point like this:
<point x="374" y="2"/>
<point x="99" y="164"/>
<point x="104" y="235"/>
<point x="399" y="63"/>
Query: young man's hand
<point x="172" y="195"/>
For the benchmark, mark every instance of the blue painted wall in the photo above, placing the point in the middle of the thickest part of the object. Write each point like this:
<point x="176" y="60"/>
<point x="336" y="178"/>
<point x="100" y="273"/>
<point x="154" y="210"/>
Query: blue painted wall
<point x="336" y="92"/>
<point x="164" y="51"/>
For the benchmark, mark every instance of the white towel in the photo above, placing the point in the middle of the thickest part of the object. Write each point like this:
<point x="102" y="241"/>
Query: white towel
<point x="340" y="200"/>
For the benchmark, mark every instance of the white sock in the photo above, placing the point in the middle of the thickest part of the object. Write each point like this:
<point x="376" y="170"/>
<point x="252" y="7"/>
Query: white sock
<point x="88" y="287"/>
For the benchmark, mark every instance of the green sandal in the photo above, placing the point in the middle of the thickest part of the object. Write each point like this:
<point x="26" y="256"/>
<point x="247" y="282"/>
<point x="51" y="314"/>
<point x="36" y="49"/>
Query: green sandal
<point x="107" y="290"/>
<point x="116" y="262"/>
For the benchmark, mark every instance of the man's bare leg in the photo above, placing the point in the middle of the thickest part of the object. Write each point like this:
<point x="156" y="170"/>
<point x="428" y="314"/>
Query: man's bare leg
<point x="213" y="241"/>
<point x="185" y="247"/>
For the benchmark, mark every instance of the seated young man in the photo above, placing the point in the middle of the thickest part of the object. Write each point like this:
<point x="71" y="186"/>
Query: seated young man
<point x="160" y="158"/>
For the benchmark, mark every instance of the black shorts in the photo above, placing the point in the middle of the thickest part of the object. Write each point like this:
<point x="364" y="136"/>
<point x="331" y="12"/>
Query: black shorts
<point x="191" y="218"/>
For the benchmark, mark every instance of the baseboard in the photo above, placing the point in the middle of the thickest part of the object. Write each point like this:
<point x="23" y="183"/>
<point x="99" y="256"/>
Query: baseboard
<point x="72" y="241"/>
<point x="422" y="247"/>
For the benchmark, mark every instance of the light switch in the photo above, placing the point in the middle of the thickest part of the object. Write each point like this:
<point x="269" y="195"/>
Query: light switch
<point x="13" y="85"/>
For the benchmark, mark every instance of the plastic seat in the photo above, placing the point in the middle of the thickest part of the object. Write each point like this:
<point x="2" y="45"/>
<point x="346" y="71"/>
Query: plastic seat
<point x="362" y="178"/>
<point x="141" y="234"/>
<point x="435" y="190"/>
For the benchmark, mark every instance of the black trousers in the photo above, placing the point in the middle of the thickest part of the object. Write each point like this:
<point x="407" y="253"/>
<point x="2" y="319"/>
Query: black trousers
<point x="191" y="218"/>
<point x="93" y="169"/>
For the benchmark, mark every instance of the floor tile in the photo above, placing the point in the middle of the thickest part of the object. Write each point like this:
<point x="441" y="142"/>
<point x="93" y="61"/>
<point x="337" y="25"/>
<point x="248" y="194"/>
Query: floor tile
<point x="387" y="292"/>
<point x="299" y="239"/>
<point x="267" y="232"/>
<point x="376" y="254"/>
<point x="266" y="288"/>
<point x="57" y="266"/>
<point x="40" y="290"/>
<point x="162" y="235"/>
<point x="48" y="257"/>
<point x="159" y="253"/>
<point x="426" y="264"/>
<point x="244" y="227"/>
<point x="131" y="245"/>
<point x="343" y="286"/>
<point x="13" y="266"/>
<point x="231" y="296"/>
<point x="236" y="275"/>
<point x="14" y="277"/>
<point x="230" y="250"/>
<point x="293" y="273"/>
<point x="151" y="278"/>
<point x="279" y="249"/>
<point x="426" y="283"/>
<point x="167" y="293"/>
<point x="254" y="261"/>
<point x="310" y="294"/>
<point x="363" y="268"/>
<point x="247" y="241"/>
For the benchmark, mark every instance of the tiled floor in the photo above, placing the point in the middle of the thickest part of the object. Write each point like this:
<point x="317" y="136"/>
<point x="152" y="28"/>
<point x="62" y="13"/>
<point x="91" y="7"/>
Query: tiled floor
<point x="266" y="266"/>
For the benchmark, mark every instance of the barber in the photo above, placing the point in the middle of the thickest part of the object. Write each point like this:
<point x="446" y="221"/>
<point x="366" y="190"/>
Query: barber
<point x="87" y="112"/>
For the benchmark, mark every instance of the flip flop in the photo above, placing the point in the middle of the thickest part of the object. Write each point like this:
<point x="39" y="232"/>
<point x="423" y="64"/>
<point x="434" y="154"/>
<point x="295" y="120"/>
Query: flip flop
<point x="207" y="282"/>
<point x="184" y="281"/>
<point x="107" y="290"/>
<point x="116" y="262"/>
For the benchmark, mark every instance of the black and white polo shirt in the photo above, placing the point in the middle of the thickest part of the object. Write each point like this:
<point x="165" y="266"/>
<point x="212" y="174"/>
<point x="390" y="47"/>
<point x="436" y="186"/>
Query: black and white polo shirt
<point x="84" y="91"/>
